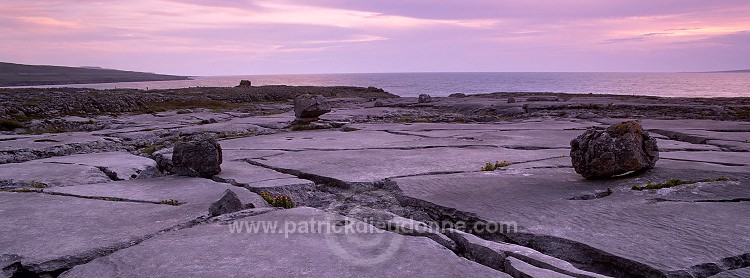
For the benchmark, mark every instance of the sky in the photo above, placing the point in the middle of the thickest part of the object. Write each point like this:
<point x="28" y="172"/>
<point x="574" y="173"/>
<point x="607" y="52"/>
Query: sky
<point x="236" y="37"/>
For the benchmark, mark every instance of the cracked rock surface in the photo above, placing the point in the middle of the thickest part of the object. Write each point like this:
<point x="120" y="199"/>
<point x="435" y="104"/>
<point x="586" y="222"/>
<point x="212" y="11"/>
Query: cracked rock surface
<point x="97" y="204"/>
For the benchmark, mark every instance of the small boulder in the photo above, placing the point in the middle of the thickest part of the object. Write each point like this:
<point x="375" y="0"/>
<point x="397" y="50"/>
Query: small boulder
<point x="511" y="100"/>
<point x="197" y="158"/>
<point x="424" y="98"/>
<point x="309" y="106"/>
<point x="228" y="203"/>
<point x="245" y="83"/>
<point x="621" y="148"/>
<point x="458" y="95"/>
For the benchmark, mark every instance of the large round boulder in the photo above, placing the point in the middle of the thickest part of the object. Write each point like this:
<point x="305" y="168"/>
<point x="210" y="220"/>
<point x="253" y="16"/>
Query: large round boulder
<point x="197" y="158"/>
<point x="309" y="106"/>
<point x="619" y="149"/>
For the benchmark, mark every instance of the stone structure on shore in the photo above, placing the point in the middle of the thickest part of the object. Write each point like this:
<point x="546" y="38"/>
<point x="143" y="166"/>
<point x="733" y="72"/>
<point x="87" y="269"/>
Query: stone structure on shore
<point x="245" y="83"/>
<point x="621" y="148"/>
<point x="199" y="158"/>
<point x="424" y="98"/>
<point x="309" y="107"/>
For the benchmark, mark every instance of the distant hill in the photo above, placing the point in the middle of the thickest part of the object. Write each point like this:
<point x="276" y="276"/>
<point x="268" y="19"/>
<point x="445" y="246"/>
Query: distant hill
<point x="746" y="70"/>
<point x="30" y="75"/>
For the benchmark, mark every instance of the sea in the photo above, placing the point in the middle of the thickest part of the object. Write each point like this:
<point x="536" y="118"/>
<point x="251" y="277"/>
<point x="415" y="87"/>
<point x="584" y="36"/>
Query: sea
<point x="703" y="85"/>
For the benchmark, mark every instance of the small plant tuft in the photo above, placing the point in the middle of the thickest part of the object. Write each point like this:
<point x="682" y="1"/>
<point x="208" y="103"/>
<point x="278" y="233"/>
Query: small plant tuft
<point x="675" y="182"/>
<point x="489" y="166"/>
<point x="36" y="184"/>
<point x="280" y="201"/>
<point x="23" y="190"/>
<point x="301" y="127"/>
<point x="722" y="178"/>
<point x="171" y="202"/>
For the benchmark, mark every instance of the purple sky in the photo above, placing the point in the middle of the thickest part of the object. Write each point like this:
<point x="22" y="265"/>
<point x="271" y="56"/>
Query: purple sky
<point x="232" y="37"/>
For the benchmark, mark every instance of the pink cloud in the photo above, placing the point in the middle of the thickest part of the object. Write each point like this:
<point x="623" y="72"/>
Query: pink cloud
<point x="295" y="36"/>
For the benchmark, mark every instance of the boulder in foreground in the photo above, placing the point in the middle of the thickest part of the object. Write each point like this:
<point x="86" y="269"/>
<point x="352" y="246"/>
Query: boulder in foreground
<point x="621" y="148"/>
<point x="309" y="106"/>
<point x="201" y="157"/>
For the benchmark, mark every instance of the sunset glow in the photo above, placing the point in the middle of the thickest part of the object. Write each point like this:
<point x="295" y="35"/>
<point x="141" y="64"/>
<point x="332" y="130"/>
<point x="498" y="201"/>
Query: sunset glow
<point x="329" y="36"/>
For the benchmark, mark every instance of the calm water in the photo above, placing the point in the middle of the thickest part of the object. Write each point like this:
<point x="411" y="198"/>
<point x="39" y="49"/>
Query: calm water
<point x="443" y="84"/>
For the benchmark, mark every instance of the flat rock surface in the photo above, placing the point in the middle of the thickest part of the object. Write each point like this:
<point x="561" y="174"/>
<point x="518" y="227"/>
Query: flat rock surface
<point x="50" y="174"/>
<point x="93" y="222"/>
<point x="124" y="165"/>
<point x="53" y="232"/>
<point x="188" y="191"/>
<point x="630" y="224"/>
<point x="375" y="165"/>
<point x="212" y="250"/>
<point x="101" y="227"/>
<point x="248" y="175"/>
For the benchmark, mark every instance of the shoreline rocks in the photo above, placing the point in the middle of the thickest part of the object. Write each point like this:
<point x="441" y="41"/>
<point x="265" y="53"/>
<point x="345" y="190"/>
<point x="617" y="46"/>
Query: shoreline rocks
<point x="621" y="148"/>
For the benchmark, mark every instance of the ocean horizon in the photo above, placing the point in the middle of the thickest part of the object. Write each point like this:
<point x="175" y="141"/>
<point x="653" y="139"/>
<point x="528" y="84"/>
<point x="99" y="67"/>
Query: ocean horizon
<point x="678" y="84"/>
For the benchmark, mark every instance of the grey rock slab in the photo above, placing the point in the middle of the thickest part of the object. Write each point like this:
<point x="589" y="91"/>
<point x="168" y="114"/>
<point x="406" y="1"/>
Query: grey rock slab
<point x="701" y="191"/>
<point x="557" y="162"/>
<point x="628" y="224"/>
<point x="126" y="166"/>
<point x="693" y="165"/>
<point x="736" y="273"/>
<point x="537" y="262"/>
<point x="520" y="269"/>
<point x="729" y="158"/>
<point x="228" y="127"/>
<point x="188" y="191"/>
<point x="55" y="232"/>
<point x="243" y="173"/>
<point x="410" y="227"/>
<point x="529" y="139"/>
<point x="211" y="250"/>
<point x="720" y="135"/>
<point x="317" y="140"/>
<point x="672" y="145"/>
<point x="280" y="183"/>
<point x="60" y="144"/>
<point x="532" y="124"/>
<point x="687" y="124"/>
<point x="49" y="141"/>
<point x="375" y="165"/>
<point x="232" y="154"/>
<point x="50" y="174"/>
<point x="731" y="145"/>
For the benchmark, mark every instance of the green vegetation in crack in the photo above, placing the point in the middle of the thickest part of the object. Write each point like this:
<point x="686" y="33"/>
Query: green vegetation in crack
<point x="674" y="182"/>
<point x="489" y="166"/>
<point x="280" y="201"/>
<point x="171" y="202"/>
